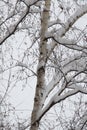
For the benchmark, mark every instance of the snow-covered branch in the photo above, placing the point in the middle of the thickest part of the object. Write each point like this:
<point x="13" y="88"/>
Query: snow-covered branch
<point x="56" y="35"/>
<point x="54" y="22"/>
<point x="58" y="98"/>
<point x="75" y="63"/>
<point x="12" y="28"/>
<point x="71" y="44"/>
<point x="82" y="10"/>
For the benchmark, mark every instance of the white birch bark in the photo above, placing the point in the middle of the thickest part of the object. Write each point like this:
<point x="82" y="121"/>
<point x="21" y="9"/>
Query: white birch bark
<point x="38" y="103"/>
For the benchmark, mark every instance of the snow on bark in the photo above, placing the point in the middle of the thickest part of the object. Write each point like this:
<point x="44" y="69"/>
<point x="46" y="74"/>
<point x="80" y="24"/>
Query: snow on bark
<point x="67" y="66"/>
<point x="56" y="35"/>
<point x="54" y="22"/>
<point x="82" y="10"/>
<point x="58" y="98"/>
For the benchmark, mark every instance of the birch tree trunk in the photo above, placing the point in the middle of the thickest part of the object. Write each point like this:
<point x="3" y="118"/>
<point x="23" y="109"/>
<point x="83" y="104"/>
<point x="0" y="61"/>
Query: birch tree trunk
<point x="38" y="100"/>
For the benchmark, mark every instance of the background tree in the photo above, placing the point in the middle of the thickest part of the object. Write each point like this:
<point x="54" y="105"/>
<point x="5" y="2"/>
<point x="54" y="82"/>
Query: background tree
<point x="44" y="40"/>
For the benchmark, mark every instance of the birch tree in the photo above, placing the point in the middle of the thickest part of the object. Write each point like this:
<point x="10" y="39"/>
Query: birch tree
<point x="57" y="44"/>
